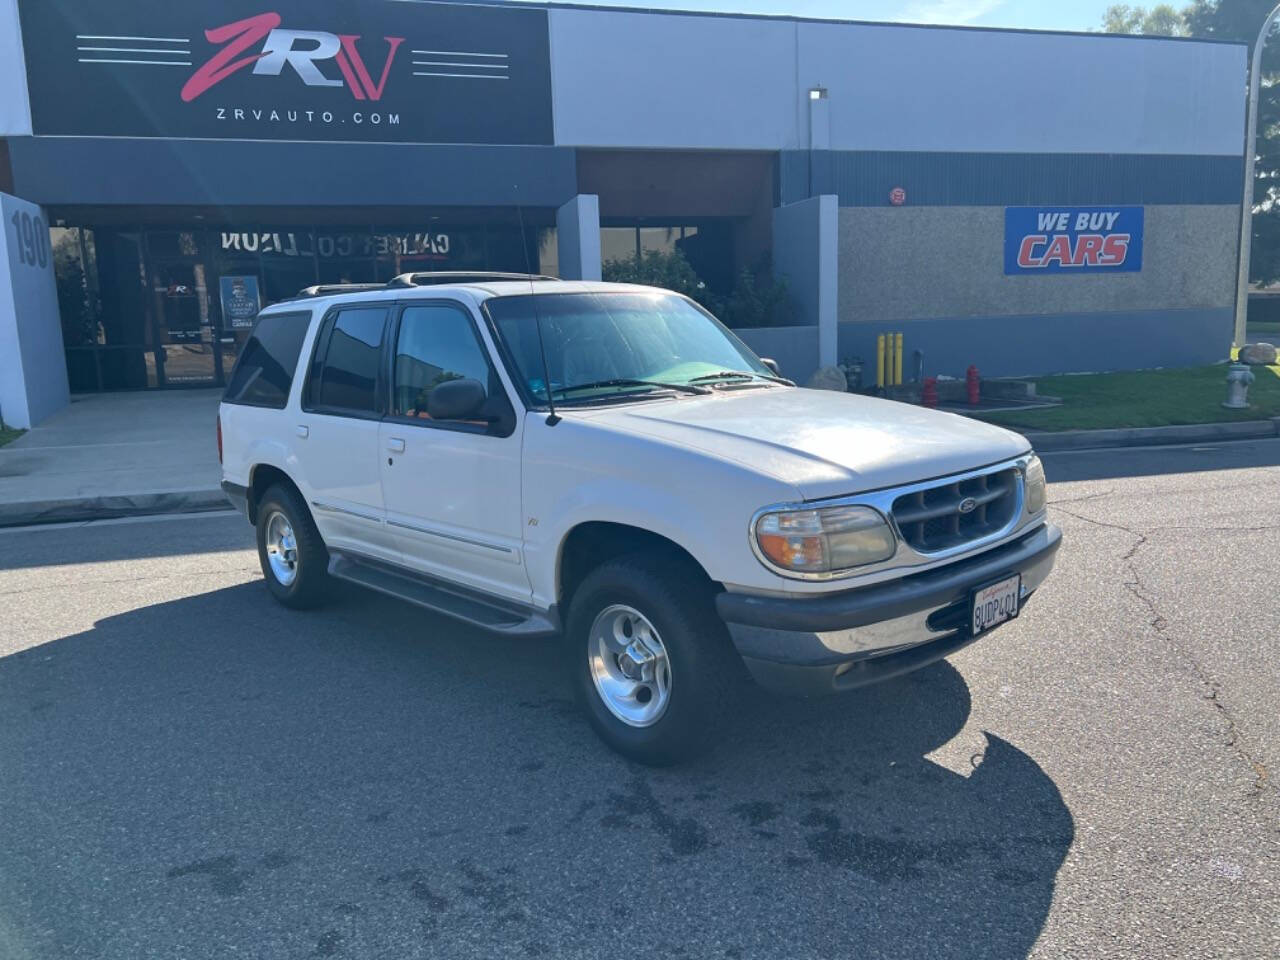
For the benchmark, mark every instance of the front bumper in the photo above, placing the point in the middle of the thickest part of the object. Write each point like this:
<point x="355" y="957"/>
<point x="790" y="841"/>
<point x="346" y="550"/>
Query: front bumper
<point x="837" y="641"/>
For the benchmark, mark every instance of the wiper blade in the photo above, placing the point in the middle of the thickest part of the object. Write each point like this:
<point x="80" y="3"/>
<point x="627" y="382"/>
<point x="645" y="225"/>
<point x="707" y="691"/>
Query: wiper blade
<point x="628" y="382"/>
<point x="740" y="375"/>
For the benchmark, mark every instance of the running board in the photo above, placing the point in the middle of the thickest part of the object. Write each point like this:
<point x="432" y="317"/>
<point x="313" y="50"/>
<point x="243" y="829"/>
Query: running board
<point x="470" y="606"/>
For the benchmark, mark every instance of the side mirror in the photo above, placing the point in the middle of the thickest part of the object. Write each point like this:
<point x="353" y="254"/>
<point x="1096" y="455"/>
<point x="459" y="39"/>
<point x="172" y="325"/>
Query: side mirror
<point x="772" y="365"/>
<point x="462" y="399"/>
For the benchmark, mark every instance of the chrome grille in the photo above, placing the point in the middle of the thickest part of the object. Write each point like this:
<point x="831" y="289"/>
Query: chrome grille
<point x="931" y="519"/>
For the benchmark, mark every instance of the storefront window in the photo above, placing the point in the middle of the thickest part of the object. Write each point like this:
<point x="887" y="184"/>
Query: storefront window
<point x="549" y="252"/>
<point x="625" y="243"/>
<point x="76" y="302"/>
<point x="144" y="308"/>
<point x="175" y="243"/>
<point x="618" y="243"/>
<point x="661" y="239"/>
<point x="708" y="247"/>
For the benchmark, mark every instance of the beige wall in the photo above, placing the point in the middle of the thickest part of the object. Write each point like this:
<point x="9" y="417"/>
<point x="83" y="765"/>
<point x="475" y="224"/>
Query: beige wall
<point x="906" y="263"/>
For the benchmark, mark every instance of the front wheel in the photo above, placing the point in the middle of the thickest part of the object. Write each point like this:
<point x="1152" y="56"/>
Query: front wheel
<point x="652" y="664"/>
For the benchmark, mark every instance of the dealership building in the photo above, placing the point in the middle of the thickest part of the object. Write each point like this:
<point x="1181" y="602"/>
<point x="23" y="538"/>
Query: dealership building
<point x="1028" y="202"/>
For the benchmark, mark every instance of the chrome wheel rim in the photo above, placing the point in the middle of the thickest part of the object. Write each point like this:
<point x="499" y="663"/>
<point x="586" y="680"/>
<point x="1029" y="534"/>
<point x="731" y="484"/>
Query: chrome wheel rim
<point x="282" y="549"/>
<point x="629" y="665"/>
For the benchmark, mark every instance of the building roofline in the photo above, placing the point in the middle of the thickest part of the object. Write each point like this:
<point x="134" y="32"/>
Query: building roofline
<point x="792" y="18"/>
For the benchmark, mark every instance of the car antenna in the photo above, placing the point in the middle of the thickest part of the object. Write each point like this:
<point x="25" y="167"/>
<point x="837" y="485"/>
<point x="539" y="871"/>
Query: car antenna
<point x="552" y="417"/>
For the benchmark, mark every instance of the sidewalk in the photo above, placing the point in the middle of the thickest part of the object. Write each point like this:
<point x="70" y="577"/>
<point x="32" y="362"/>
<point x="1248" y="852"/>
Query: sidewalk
<point x="122" y="454"/>
<point x="115" y="454"/>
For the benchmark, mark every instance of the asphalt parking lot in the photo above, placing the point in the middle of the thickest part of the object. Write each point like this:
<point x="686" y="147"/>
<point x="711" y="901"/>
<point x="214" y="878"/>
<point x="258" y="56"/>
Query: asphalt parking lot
<point x="189" y="771"/>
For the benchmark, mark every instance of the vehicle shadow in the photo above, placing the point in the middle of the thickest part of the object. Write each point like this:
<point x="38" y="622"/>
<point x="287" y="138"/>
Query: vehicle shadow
<point x="217" y="776"/>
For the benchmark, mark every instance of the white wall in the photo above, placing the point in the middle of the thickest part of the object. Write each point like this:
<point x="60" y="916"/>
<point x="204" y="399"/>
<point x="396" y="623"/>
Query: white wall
<point x="33" y="367"/>
<point x="805" y="242"/>
<point x="905" y="88"/>
<point x="654" y="80"/>
<point x="669" y="80"/>
<point x="794" y="348"/>
<point x="578" y="238"/>
<point x="15" y="110"/>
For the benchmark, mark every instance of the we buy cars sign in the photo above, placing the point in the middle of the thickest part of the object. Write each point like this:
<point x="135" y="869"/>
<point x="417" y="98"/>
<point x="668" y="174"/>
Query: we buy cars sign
<point x="1072" y="239"/>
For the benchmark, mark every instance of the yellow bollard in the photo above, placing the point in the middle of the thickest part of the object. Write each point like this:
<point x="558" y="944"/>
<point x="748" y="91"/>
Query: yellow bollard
<point x="897" y="359"/>
<point x="880" y="360"/>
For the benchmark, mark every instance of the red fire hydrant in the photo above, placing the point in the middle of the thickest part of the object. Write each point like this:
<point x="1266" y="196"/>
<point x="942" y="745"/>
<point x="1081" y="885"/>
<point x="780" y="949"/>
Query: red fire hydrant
<point x="974" y="384"/>
<point x="929" y="395"/>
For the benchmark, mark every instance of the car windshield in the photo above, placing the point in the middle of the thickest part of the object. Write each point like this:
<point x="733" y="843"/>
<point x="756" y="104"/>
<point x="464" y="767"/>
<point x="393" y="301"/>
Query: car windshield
<point x="607" y="345"/>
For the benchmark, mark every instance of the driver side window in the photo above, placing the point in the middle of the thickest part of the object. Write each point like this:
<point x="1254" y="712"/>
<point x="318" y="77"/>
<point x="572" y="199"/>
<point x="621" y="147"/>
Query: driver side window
<point x="436" y="343"/>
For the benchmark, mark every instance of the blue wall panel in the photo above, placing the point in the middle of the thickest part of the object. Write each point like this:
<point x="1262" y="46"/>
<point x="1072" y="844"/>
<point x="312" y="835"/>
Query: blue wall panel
<point x="1052" y="343"/>
<point x="76" y="170"/>
<point x="865" y="178"/>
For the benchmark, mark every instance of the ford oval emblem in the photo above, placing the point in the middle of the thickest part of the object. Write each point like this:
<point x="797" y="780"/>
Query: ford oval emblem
<point x="968" y="505"/>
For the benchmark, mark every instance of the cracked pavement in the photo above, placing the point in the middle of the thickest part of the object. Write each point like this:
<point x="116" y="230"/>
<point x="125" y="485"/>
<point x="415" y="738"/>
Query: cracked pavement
<point x="189" y="771"/>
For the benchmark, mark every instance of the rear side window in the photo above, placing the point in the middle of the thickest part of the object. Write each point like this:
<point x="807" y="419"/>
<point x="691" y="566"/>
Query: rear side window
<point x="264" y="373"/>
<point x="347" y="374"/>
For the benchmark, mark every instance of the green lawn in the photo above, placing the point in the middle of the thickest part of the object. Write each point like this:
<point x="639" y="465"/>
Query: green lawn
<point x="7" y="434"/>
<point x="1258" y="331"/>
<point x="1147" y="398"/>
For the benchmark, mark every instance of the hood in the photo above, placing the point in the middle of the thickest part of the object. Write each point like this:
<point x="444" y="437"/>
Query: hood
<point x="823" y="443"/>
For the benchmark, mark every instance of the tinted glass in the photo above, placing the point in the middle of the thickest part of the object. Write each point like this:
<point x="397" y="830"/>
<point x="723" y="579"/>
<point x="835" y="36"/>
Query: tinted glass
<point x="661" y="239"/>
<point x="593" y="337"/>
<point x="436" y="343"/>
<point x="617" y="243"/>
<point x="265" y="372"/>
<point x="349" y="377"/>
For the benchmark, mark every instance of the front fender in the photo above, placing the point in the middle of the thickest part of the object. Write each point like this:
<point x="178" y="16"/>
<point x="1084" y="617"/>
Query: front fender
<point x="577" y="473"/>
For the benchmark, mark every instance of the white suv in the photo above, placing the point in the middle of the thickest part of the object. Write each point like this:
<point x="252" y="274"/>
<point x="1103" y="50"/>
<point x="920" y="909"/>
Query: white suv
<point x="610" y="464"/>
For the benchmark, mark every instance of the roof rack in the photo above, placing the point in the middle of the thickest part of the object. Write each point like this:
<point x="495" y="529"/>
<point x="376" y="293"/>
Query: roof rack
<point x="461" y="276"/>
<point x="328" y="289"/>
<point x="418" y="280"/>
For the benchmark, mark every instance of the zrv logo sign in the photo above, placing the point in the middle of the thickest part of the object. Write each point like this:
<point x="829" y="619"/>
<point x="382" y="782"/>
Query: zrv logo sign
<point x="288" y="70"/>
<point x="299" y="49"/>
<point x="1072" y="239"/>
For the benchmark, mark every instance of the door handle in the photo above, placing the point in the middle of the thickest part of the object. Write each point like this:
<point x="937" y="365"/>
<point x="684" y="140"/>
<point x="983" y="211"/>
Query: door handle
<point x="303" y="431"/>
<point x="395" y="445"/>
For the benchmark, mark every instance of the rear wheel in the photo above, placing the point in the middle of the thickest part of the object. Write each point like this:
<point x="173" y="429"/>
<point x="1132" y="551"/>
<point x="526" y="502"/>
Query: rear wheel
<point x="292" y="554"/>
<point x="652" y="664"/>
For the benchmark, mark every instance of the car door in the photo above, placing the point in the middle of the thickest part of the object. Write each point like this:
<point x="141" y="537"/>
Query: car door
<point x="337" y="431"/>
<point x="452" y="487"/>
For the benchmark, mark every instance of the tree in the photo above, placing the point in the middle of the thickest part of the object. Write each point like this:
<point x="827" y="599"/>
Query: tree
<point x="1161" y="20"/>
<point x="1241" y="20"/>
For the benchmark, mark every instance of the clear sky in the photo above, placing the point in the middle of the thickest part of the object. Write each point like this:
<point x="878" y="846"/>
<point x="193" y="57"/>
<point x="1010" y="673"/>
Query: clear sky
<point x="1035" y="14"/>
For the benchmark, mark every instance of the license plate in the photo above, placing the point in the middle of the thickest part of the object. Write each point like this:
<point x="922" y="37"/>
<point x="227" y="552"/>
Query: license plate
<point x="995" y="603"/>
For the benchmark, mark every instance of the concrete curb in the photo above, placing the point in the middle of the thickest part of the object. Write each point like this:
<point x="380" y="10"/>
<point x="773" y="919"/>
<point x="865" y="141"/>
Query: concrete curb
<point x="1049" y="441"/>
<point x="22" y="513"/>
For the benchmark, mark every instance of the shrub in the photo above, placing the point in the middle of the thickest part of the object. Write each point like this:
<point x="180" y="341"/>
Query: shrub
<point x="658" y="269"/>
<point x="756" y="304"/>
<point x="751" y="303"/>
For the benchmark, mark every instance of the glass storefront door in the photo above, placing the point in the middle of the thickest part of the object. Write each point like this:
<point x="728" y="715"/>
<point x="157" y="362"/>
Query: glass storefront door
<point x="184" y="340"/>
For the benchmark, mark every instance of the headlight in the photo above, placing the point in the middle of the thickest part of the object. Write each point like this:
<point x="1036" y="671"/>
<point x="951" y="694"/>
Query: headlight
<point x="824" y="540"/>
<point x="1036" y="488"/>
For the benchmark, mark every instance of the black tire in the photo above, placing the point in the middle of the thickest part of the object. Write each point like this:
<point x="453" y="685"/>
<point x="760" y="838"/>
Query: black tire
<point x="704" y="669"/>
<point x="311" y="564"/>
